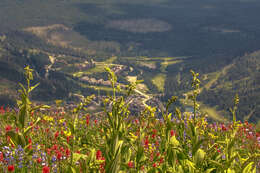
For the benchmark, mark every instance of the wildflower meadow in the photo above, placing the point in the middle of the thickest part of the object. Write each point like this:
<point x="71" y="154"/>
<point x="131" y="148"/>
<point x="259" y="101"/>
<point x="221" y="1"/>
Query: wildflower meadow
<point x="39" y="138"/>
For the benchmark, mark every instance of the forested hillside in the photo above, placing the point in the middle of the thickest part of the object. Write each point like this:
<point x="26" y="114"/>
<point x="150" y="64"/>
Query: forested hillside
<point x="69" y="42"/>
<point x="241" y="77"/>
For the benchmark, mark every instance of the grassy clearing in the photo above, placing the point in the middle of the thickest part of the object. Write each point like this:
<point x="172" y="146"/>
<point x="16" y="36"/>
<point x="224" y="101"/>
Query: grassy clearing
<point x="159" y="81"/>
<point x="149" y="64"/>
<point x="215" y="76"/>
<point x="102" y="88"/>
<point x="169" y="58"/>
<point x="144" y="58"/>
<point x="213" y="113"/>
<point x="141" y="86"/>
<point x="166" y="63"/>
<point x="99" y="68"/>
<point x="131" y="79"/>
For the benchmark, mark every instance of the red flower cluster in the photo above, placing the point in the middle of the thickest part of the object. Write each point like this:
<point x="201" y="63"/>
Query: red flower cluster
<point x="59" y="152"/>
<point x="100" y="157"/>
<point x="56" y="134"/>
<point x="2" y="111"/>
<point x="10" y="168"/>
<point x="172" y="133"/>
<point x="8" y="128"/>
<point x="1" y="157"/>
<point x="146" y="142"/>
<point x="223" y="127"/>
<point x="130" y="164"/>
<point x="39" y="160"/>
<point x="87" y="120"/>
<point x="154" y="133"/>
<point x="45" y="169"/>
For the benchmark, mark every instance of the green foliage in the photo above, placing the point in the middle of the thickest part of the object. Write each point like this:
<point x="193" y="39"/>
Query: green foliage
<point x="114" y="141"/>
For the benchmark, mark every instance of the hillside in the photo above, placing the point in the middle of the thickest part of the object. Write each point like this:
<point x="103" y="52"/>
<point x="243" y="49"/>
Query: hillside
<point x="69" y="43"/>
<point x="241" y="77"/>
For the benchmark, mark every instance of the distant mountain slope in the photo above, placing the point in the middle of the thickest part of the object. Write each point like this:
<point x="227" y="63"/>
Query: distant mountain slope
<point x="242" y="77"/>
<point x="20" y="49"/>
<point x="69" y="42"/>
<point x="63" y="71"/>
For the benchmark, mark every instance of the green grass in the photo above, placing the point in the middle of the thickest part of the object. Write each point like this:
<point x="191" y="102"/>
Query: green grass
<point x="102" y="88"/>
<point x="99" y="68"/>
<point x="166" y="63"/>
<point x="213" y="77"/>
<point x="159" y="81"/>
<point x="212" y="113"/>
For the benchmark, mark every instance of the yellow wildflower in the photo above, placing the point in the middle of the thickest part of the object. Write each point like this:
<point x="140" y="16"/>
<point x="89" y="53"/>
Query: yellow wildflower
<point x="61" y="120"/>
<point x="67" y="133"/>
<point x="48" y="118"/>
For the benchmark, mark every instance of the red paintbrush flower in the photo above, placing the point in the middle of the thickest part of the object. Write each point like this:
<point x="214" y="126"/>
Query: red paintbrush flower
<point x="67" y="152"/>
<point x="151" y="157"/>
<point x="59" y="155"/>
<point x="48" y="151"/>
<point x="10" y="168"/>
<point x="154" y="165"/>
<point x="257" y="134"/>
<point x="2" y="111"/>
<point x="8" y="128"/>
<point x="45" y="169"/>
<point x="55" y="147"/>
<point x="39" y="160"/>
<point x="146" y="142"/>
<point x="56" y="134"/>
<point x="87" y="120"/>
<point x="154" y="133"/>
<point x="223" y="127"/>
<point x="161" y="160"/>
<point x="172" y="133"/>
<point x="1" y="157"/>
<point x="130" y="164"/>
<point x="98" y="155"/>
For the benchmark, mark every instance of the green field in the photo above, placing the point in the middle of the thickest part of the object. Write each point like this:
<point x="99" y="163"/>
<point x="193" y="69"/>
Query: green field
<point x="159" y="81"/>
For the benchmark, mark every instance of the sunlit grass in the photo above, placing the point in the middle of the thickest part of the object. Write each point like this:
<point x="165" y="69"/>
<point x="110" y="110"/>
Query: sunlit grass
<point x="159" y="81"/>
<point x="99" y="67"/>
<point x="213" y="113"/>
<point x="166" y="63"/>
